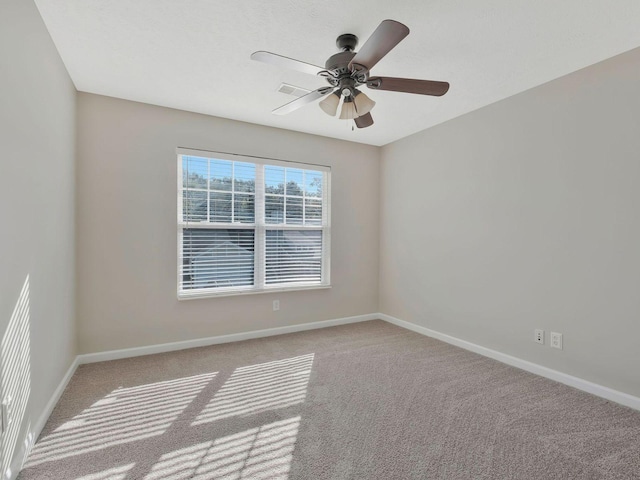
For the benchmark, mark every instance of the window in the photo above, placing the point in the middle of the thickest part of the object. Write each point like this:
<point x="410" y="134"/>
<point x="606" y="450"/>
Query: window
<point x="249" y="225"/>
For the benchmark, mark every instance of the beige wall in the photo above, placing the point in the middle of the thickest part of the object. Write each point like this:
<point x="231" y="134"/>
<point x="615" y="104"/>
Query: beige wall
<point x="37" y="140"/>
<point x="126" y="252"/>
<point x="523" y="215"/>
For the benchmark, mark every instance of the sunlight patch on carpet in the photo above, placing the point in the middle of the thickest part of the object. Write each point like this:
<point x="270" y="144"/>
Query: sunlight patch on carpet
<point x="116" y="473"/>
<point x="259" y="388"/>
<point x="258" y="453"/>
<point x="124" y="415"/>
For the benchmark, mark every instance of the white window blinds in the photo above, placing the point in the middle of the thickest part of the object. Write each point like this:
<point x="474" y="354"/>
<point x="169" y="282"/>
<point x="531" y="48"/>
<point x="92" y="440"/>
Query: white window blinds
<point x="250" y="225"/>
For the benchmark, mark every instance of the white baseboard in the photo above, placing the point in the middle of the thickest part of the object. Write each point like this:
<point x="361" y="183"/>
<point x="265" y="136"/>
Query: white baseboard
<point x="36" y="428"/>
<point x="204" y="342"/>
<point x="44" y="416"/>
<point x="579" y="383"/>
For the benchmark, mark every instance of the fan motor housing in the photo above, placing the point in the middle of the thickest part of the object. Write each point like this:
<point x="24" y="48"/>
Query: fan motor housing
<point x="339" y="63"/>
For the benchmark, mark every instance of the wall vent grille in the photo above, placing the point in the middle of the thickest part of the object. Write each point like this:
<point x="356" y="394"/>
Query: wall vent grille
<point x="292" y="90"/>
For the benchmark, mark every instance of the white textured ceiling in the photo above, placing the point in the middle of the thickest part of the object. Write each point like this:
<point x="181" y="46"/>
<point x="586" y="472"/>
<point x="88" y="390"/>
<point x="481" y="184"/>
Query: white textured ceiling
<point x="194" y="54"/>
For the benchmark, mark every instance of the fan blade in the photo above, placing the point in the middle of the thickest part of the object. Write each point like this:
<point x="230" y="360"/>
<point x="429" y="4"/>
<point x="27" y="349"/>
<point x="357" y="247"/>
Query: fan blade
<point x="303" y="100"/>
<point x="364" y="121"/>
<point x="408" y="85"/>
<point x="286" y="62"/>
<point x="388" y="34"/>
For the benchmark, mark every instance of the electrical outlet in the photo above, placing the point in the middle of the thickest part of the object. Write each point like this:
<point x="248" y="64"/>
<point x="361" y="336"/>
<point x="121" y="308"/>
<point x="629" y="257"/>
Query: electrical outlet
<point x="556" y="340"/>
<point x="276" y="305"/>
<point x="538" y="336"/>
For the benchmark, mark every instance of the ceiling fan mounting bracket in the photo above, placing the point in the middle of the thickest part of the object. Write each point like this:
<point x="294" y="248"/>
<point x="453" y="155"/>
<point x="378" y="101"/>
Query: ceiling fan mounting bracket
<point x="376" y="83"/>
<point x="347" y="42"/>
<point x="359" y="72"/>
<point x="328" y="74"/>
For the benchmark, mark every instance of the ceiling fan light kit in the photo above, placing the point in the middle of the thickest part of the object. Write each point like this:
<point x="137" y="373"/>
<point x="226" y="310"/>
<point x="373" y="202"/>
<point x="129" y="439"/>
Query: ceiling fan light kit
<point x="348" y="69"/>
<point x="330" y="104"/>
<point x="348" y="111"/>
<point x="363" y="103"/>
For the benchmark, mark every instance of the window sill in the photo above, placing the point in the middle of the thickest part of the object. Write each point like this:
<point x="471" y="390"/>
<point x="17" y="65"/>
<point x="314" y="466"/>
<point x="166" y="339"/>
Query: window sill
<point x="233" y="293"/>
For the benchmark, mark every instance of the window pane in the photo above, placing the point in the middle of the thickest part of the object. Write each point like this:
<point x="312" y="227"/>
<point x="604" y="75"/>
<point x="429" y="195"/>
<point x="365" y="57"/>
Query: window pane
<point x="273" y="209"/>
<point x="244" y="176"/>
<point x="244" y="208"/>
<point x="220" y="175"/>
<point x="194" y="206"/>
<point x="220" y="207"/>
<point x="194" y="172"/>
<point x="294" y="210"/>
<point x="274" y="179"/>
<point x="293" y="256"/>
<point x="217" y="258"/>
<point x="294" y="182"/>
<point x="313" y="211"/>
<point x="313" y="183"/>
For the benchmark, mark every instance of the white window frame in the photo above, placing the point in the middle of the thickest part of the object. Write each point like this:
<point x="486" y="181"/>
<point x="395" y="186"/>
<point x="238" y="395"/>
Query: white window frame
<point x="259" y="227"/>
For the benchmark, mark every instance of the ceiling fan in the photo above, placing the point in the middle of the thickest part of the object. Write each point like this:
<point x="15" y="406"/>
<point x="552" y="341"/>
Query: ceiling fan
<point x="347" y="70"/>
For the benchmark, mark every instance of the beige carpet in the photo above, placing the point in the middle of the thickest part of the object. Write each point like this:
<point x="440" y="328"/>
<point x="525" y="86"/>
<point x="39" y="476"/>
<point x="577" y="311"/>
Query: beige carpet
<point x="362" y="401"/>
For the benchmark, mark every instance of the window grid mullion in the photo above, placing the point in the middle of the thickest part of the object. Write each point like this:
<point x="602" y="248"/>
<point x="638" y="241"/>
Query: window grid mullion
<point x="284" y="199"/>
<point x="326" y="228"/>
<point x="180" y="221"/>
<point x="260" y="231"/>
<point x="209" y="190"/>
<point x="233" y="194"/>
